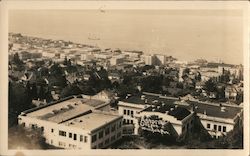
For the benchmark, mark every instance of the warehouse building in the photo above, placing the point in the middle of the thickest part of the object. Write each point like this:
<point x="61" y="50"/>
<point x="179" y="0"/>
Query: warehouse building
<point x="77" y="122"/>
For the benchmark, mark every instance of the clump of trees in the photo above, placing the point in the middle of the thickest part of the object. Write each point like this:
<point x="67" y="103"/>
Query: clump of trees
<point x="21" y="138"/>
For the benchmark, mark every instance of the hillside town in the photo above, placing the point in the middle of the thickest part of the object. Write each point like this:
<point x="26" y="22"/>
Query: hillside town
<point x="84" y="97"/>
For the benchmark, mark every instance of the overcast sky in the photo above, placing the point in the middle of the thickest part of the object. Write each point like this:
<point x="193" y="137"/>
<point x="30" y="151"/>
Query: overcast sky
<point x="185" y="34"/>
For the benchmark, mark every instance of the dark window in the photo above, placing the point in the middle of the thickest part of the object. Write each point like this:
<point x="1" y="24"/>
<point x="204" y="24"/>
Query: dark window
<point x="208" y="125"/>
<point x="85" y="139"/>
<point x="219" y="128"/>
<point x="132" y="113"/>
<point x="62" y="133"/>
<point x="81" y="138"/>
<point x="52" y="130"/>
<point x="124" y="111"/>
<point x="119" y="134"/>
<point x="107" y="131"/>
<point x="128" y="112"/>
<point x="215" y="127"/>
<point x="100" y="145"/>
<point x="224" y="129"/>
<point x="113" y="128"/>
<point x="100" y="134"/>
<point x="124" y="121"/>
<point x="70" y="135"/>
<point x="132" y="122"/>
<point x="42" y="128"/>
<point x="93" y="138"/>
<point x="113" y="138"/>
<point x="75" y="137"/>
<point x="107" y="141"/>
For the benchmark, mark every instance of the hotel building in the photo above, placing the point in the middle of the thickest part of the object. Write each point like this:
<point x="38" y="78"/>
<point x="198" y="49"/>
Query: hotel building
<point x="138" y="113"/>
<point x="217" y="119"/>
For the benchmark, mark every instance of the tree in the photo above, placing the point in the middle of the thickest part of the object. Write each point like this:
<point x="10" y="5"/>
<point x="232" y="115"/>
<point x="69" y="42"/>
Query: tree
<point x="198" y="76"/>
<point x="70" y="90"/>
<point x="19" y="100"/>
<point x="210" y="85"/>
<point x="17" y="60"/>
<point x="186" y="71"/>
<point x="65" y="62"/>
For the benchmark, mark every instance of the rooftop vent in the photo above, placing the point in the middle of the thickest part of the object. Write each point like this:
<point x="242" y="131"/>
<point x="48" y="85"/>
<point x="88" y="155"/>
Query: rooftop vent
<point x="143" y="97"/>
<point x="55" y="111"/>
<point x="155" y="101"/>
<point x="223" y="109"/>
<point x="205" y="112"/>
<point x="80" y="121"/>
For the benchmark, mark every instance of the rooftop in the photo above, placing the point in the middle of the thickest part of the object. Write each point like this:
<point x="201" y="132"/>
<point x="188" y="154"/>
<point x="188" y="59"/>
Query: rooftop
<point x="65" y="110"/>
<point x="180" y="109"/>
<point x="91" y="121"/>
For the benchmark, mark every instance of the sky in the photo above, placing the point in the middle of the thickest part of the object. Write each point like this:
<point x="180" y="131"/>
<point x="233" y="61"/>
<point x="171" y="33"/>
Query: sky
<point x="185" y="34"/>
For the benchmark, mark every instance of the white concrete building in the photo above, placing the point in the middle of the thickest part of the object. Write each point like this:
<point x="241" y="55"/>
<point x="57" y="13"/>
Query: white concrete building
<point x="149" y="59"/>
<point x="217" y="119"/>
<point x="138" y="113"/>
<point x="75" y="123"/>
<point x="116" y="60"/>
<point x="160" y="59"/>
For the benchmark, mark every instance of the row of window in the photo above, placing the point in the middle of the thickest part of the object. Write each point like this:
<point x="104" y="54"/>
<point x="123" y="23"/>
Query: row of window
<point x="73" y="136"/>
<point x="127" y="121"/>
<point x="217" y="127"/>
<point x="105" y="132"/>
<point x="128" y="112"/>
<point x="63" y="144"/>
<point x="108" y="140"/>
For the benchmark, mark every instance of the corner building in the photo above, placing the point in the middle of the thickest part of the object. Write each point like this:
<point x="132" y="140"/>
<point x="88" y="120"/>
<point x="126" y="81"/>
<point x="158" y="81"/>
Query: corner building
<point x="78" y="122"/>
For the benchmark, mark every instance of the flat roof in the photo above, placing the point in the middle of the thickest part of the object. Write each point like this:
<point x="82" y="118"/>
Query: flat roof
<point x="92" y="120"/>
<point x="165" y="104"/>
<point x="65" y="110"/>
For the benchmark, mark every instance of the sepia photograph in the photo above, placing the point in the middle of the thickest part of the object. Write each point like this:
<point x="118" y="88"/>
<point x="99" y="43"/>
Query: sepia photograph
<point x="136" y="78"/>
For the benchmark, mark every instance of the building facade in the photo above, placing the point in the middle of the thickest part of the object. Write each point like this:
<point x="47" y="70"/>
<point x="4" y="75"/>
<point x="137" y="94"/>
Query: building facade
<point x="75" y="123"/>
<point x="144" y="111"/>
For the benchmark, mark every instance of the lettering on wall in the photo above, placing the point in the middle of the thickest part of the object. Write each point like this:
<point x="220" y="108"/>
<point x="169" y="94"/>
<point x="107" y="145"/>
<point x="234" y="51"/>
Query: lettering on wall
<point x="154" y="124"/>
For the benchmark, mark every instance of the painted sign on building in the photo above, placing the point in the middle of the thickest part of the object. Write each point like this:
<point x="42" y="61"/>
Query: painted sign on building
<point x="154" y="124"/>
